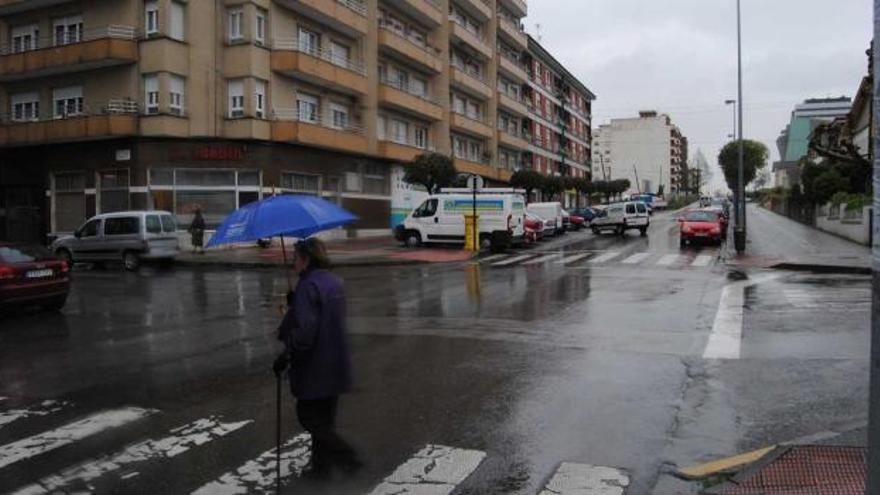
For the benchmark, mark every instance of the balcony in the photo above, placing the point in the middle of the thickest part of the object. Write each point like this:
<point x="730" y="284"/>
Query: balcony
<point x="513" y="140"/>
<point x="471" y="82"/>
<point x="426" y="11"/>
<point x="474" y="41"/>
<point x="348" y="16"/>
<point x="117" y="119"/>
<point x="8" y="7"/>
<point x="477" y="8"/>
<point x="513" y="105"/>
<point x="287" y="127"/>
<point x="407" y="99"/>
<point x="318" y="67"/>
<point x="482" y="169"/>
<point x="401" y="152"/>
<point x="413" y="51"/>
<point x="472" y="125"/>
<point x="512" y="69"/>
<point x="518" y="7"/>
<point x="512" y="31"/>
<point x="104" y="47"/>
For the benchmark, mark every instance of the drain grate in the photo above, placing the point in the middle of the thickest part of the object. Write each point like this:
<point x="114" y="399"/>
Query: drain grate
<point x="808" y="470"/>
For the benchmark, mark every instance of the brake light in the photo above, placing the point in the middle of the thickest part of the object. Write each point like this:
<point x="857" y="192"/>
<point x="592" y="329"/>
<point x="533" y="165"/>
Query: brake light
<point x="510" y="224"/>
<point x="7" y="273"/>
<point x="65" y="267"/>
<point x="686" y="228"/>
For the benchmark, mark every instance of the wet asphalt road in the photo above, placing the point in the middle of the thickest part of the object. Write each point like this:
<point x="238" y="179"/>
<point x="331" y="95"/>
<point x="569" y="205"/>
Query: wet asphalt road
<point x="596" y="362"/>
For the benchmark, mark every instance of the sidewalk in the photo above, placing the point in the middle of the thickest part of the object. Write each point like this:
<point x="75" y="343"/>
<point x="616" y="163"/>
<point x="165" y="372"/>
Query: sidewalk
<point x="775" y="241"/>
<point x="379" y="251"/>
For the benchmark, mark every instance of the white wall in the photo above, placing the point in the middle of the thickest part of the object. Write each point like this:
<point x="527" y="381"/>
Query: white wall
<point x="854" y="228"/>
<point x="643" y="142"/>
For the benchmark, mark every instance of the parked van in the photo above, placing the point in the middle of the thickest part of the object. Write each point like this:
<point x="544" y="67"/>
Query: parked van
<point x="128" y="236"/>
<point x="550" y="210"/>
<point x="620" y="217"/>
<point x="441" y="219"/>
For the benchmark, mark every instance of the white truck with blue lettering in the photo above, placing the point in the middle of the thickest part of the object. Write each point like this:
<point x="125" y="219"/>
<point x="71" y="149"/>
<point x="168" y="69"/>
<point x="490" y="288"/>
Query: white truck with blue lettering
<point x="440" y="219"/>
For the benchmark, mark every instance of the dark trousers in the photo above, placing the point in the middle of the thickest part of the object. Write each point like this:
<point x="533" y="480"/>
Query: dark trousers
<point x="318" y="417"/>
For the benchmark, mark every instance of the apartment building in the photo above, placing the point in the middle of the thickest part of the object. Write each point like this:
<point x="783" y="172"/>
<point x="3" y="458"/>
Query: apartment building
<point x="172" y="104"/>
<point x="649" y="150"/>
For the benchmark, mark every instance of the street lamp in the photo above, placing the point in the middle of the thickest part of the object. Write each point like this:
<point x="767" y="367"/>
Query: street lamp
<point x="739" y="232"/>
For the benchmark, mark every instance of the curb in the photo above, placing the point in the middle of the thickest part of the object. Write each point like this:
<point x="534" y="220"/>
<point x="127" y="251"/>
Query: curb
<point x="817" y="268"/>
<point x="244" y="265"/>
<point x="724" y="466"/>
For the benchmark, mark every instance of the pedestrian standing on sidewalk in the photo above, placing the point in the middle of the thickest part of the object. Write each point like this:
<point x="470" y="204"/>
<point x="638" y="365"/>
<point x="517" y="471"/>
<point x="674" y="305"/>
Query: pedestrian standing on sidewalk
<point x="316" y="351"/>
<point x="197" y="232"/>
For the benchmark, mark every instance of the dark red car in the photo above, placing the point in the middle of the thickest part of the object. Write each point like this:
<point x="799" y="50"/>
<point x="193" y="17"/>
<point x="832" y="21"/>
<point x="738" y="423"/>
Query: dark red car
<point x="31" y="275"/>
<point x="700" y="226"/>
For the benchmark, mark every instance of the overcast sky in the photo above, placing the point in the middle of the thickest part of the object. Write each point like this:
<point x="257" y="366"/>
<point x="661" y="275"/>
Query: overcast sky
<point x="679" y="57"/>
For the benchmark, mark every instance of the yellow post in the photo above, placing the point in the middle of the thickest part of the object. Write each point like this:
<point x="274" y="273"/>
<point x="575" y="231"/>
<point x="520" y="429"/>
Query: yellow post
<point x="471" y="227"/>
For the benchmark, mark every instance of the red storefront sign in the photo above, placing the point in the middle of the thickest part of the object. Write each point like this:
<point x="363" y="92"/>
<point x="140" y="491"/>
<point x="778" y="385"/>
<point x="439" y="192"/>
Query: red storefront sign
<point x="220" y="153"/>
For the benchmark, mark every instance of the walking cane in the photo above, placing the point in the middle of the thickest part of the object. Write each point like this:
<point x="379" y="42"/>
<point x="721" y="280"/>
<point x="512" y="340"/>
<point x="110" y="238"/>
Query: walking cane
<point x="278" y="433"/>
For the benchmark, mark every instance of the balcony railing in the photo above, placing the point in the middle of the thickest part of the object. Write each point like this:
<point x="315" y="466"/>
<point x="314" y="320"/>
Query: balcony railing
<point x="112" y="107"/>
<point x="109" y="32"/>
<point x="356" y="5"/>
<point x="409" y="142"/>
<point x="478" y="34"/>
<point x="471" y="116"/>
<point x="469" y="71"/>
<point x="293" y="44"/>
<point x="417" y="42"/>
<point x="294" y="115"/>
<point x="408" y="88"/>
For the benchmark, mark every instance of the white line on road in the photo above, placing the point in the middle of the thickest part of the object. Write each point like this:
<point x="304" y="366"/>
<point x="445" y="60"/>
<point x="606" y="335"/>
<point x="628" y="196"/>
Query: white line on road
<point x="515" y="259"/>
<point x="181" y="440"/>
<point x="726" y="337"/>
<point x="3" y="398"/>
<point x="258" y="475"/>
<point x="434" y="470"/>
<point x="494" y="257"/>
<point x="702" y="260"/>
<point x="43" y="409"/>
<point x="543" y="259"/>
<point x="69" y="433"/>
<point x="584" y="479"/>
<point x="636" y="258"/>
<point x="605" y="257"/>
<point x="573" y="258"/>
<point x="668" y="259"/>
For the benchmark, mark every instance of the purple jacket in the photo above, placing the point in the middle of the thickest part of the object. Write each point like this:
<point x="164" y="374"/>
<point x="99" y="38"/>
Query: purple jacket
<point x="314" y="333"/>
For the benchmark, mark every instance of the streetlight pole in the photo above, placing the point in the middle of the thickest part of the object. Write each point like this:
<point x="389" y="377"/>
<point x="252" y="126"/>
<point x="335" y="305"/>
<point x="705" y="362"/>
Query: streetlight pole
<point x="872" y="484"/>
<point x="732" y="102"/>
<point x="739" y="233"/>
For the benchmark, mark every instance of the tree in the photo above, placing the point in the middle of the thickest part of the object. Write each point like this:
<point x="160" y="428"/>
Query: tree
<point x="433" y="171"/>
<point x="583" y="186"/>
<point x="762" y="179"/>
<point x="553" y="185"/>
<point x="528" y="180"/>
<point x="829" y="182"/>
<point x="754" y="159"/>
<point x="660" y="190"/>
<point x="619" y="186"/>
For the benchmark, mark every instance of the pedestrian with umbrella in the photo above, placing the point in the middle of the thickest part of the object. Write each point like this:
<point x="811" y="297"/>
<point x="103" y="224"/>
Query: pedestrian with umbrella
<point x="197" y="232"/>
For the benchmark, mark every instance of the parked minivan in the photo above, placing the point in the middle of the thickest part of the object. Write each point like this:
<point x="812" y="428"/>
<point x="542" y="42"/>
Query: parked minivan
<point x="128" y="236"/>
<point x="550" y="210"/>
<point x="620" y="217"/>
<point x="440" y="219"/>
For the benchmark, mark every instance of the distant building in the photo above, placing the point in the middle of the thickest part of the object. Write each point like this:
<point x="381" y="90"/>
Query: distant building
<point x="649" y="150"/>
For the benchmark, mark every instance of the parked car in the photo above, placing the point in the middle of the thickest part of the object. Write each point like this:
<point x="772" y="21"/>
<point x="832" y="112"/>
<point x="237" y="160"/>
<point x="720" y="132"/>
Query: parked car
<point x="30" y="275"/>
<point x="700" y="226"/>
<point x="566" y="221"/>
<point x="588" y="214"/>
<point x="128" y="236"/>
<point x="722" y="218"/>
<point x="536" y="224"/>
<point x="549" y="211"/>
<point x="577" y="222"/>
<point x="705" y="202"/>
<point x="620" y="217"/>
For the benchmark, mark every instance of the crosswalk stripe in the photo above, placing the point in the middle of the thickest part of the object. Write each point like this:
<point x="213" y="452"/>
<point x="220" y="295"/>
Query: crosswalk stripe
<point x="180" y="440"/>
<point x="702" y="260"/>
<point x="494" y="257"/>
<point x="542" y="259"/>
<point x="513" y="260"/>
<point x="668" y="259"/>
<point x="573" y="258"/>
<point x="434" y="470"/>
<point x="258" y="475"/>
<point x="43" y="409"/>
<point x="69" y="433"/>
<point x="605" y="257"/>
<point x="572" y="479"/>
<point x="636" y="258"/>
<point x="3" y="398"/>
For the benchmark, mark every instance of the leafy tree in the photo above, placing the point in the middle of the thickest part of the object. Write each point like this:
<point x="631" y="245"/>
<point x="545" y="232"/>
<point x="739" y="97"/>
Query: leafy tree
<point x="431" y="170"/>
<point x="619" y="186"/>
<point x="528" y="180"/>
<point x="553" y="185"/>
<point x="829" y="182"/>
<point x="754" y="158"/>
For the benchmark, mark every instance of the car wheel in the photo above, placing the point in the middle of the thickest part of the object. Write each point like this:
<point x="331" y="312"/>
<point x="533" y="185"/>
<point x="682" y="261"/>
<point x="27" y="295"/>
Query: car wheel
<point x="65" y="256"/>
<point x="682" y="243"/>
<point x="56" y="304"/>
<point x="621" y="229"/>
<point x="131" y="261"/>
<point x="643" y="231"/>
<point x="413" y="240"/>
<point x="595" y="230"/>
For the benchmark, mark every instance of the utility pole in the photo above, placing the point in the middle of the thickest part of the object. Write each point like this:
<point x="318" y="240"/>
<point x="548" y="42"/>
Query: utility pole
<point x="739" y="233"/>
<point x="872" y="484"/>
<point x="638" y="186"/>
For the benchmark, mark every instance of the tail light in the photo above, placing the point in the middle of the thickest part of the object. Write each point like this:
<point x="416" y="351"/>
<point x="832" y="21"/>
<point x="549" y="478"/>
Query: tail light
<point x="7" y="273"/>
<point x="510" y="224"/>
<point x="65" y="267"/>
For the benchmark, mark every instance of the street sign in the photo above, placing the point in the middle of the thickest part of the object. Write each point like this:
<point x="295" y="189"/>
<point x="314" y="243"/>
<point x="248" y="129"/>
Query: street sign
<point x="475" y="182"/>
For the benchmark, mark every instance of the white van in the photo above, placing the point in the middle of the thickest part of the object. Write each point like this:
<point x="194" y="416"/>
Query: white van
<point x="550" y="211"/>
<point x="440" y="219"/>
<point x="620" y="217"/>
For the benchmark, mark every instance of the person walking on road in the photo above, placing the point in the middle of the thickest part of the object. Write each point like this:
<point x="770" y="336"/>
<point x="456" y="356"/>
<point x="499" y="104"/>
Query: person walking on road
<point x="197" y="232"/>
<point x="317" y="354"/>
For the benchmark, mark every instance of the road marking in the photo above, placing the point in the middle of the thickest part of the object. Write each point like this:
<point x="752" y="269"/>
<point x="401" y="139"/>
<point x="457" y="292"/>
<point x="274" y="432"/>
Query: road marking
<point x="3" y="398"/>
<point x="180" y="440"/>
<point x="494" y="257"/>
<point x="584" y="479"/>
<point x="43" y="409"/>
<point x="434" y="470"/>
<point x="573" y="258"/>
<point x="726" y="337"/>
<point x="258" y="475"/>
<point x="605" y="257"/>
<point x="636" y="258"/>
<point x="513" y="260"/>
<point x="702" y="260"/>
<point x="542" y="259"/>
<point x="69" y="433"/>
<point x="724" y="465"/>
<point x="668" y="259"/>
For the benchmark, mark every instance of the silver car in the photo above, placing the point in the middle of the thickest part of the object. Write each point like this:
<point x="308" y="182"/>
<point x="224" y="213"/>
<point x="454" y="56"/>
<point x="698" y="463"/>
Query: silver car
<point x="128" y="236"/>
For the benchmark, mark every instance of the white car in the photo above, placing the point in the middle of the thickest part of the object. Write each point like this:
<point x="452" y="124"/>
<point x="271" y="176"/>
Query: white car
<point x="620" y="217"/>
<point x="550" y="211"/>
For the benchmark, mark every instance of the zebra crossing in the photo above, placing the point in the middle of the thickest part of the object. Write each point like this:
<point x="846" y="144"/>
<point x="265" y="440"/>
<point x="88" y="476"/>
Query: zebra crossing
<point x="597" y="258"/>
<point x="432" y="469"/>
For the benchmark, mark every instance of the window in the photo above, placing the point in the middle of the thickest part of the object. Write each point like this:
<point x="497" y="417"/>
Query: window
<point x="154" y="226"/>
<point x="25" y="107"/>
<point x="339" y="54"/>
<point x="300" y="183"/>
<point x="260" y="99"/>
<point x="68" y="102"/>
<point x="339" y="116"/>
<point x="381" y="122"/>
<point x="375" y="179"/>
<point x="236" y="24"/>
<point x="151" y="94"/>
<point x="308" y="41"/>
<point x="307" y="108"/>
<point x="25" y="38"/>
<point x="90" y="229"/>
<point x="419" y="87"/>
<point x="236" y="98"/>
<point x="399" y="131"/>
<point x="260" y="27"/>
<point x="168" y="224"/>
<point x="68" y="30"/>
<point x="176" y="28"/>
<point x="630" y="209"/>
<point x="427" y="209"/>
<point x="151" y="16"/>
<point x="421" y="137"/>
<point x="176" y="93"/>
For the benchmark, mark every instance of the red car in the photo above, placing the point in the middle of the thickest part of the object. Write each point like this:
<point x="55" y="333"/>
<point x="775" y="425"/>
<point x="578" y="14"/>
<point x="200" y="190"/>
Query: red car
<point x="577" y="222"/>
<point x="30" y="275"/>
<point x="700" y="225"/>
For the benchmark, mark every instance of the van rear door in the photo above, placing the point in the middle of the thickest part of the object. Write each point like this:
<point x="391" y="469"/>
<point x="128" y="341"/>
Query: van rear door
<point x="161" y="235"/>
